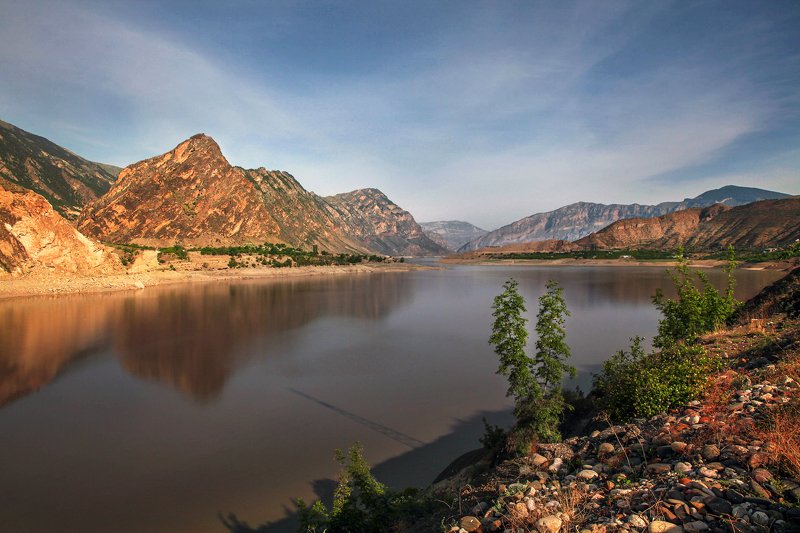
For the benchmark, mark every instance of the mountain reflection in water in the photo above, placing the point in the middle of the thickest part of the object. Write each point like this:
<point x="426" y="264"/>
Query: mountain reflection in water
<point x="189" y="339"/>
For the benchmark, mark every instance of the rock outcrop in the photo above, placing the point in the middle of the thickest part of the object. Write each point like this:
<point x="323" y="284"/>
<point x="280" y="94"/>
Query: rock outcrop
<point x="67" y="181"/>
<point x="382" y="225"/>
<point x="452" y="234"/>
<point x="35" y="238"/>
<point x="577" y="220"/>
<point x="191" y="195"/>
<point x="764" y="224"/>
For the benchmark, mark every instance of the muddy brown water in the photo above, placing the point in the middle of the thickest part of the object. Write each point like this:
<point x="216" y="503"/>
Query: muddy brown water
<point x="159" y="409"/>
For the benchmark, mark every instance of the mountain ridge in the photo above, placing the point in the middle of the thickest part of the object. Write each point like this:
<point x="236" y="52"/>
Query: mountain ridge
<point x="576" y="220"/>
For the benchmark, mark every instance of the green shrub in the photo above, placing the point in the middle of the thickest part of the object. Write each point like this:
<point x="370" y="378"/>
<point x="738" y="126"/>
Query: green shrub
<point x="360" y="502"/>
<point x="637" y="384"/>
<point x="696" y="310"/>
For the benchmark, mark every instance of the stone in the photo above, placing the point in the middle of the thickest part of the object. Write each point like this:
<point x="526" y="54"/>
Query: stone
<point x="733" y="496"/>
<point x="556" y="465"/>
<point x="710" y="452"/>
<point x="681" y="467"/>
<point x="659" y="526"/>
<point x="659" y="468"/>
<point x="760" y="518"/>
<point x="697" y="525"/>
<point x="761" y="475"/>
<point x="707" y="472"/>
<point x="538" y="460"/>
<point x="718" y="506"/>
<point x="548" y="524"/>
<point x="605" y="448"/>
<point x="637" y="521"/>
<point x="678" y="446"/>
<point x="469" y="524"/>
<point x="587" y="475"/>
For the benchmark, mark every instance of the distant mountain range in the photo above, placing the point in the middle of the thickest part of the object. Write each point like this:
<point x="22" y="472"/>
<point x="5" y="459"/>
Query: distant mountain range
<point x="66" y="180"/>
<point x="574" y="221"/>
<point x="56" y="208"/>
<point x="452" y="234"/>
<point x="761" y="224"/>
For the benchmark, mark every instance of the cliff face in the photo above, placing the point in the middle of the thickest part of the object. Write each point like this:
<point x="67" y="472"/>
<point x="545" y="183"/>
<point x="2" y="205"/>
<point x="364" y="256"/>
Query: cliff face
<point x="567" y="223"/>
<point x="452" y="234"/>
<point x="33" y="237"/>
<point x="67" y="181"/>
<point x="577" y="220"/>
<point x="382" y="225"/>
<point x="193" y="196"/>
<point x="761" y="224"/>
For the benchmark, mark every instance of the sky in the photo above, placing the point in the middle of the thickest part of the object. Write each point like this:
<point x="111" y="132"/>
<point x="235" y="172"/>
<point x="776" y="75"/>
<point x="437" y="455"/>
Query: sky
<point x="483" y="111"/>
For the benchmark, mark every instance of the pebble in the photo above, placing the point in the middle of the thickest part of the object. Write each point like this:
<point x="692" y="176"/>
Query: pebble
<point x="719" y="506"/>
<point x="697" y="525"/>
<point x="469" y="524"/>
<point x="659" y="526"/>
<point x="760" y="518"/>
<point x="659" y="468"/>
<point x="549" y="524"/>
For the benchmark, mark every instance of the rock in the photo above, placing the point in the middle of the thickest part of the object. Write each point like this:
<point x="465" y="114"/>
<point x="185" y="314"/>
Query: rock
<point x="470" y="524"/>
<point x="682" y="468"/>
<point x="538" y="460"/>
<point x="678" y="447"/>
<point x="659" y="468"/>
<point x="697" y="525"/>
<point x="710" y="452"/>
<point x="556" y="465"/>
<point x="758" y="489"/>
<point x="587" y="475"/>
<point x="605" y="448"/>
<point x="718" y="506"/>
<point x="760" y="518"/>
<point x="659" y="526"/>
<point x="761" y="475"/>
<point x="548" y="524"/>
<point x="637" y="521"/>
<point x="734" y="496"/>
<point x="707" y="472"/>
<point x="138" y="284"/>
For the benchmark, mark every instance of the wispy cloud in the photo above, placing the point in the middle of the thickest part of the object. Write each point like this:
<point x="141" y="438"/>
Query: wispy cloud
<point x="510" y="110"/>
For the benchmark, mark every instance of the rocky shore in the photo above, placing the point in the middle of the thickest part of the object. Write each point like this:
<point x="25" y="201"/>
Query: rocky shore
<point x="727" y="462"/>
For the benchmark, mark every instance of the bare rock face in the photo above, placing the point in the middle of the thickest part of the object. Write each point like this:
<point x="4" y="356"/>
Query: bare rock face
<point x="452" y="234"/>
<point x="67" y="181"/>
<point x="192" y="195"/>
<point x="33" y="237"/>
<point x="382" y="225"/>
<point x="768" y="223"/>
<point x="577" y="220"/>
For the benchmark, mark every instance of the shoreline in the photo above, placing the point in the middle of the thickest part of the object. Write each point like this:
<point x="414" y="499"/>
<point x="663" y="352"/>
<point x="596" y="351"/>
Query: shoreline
<point x="701" y="263"/>
<point x="41" y="284"/>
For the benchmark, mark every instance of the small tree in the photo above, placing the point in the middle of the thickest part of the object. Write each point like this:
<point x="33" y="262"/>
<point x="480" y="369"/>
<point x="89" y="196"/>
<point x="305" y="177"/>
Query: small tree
<point x="535" y="383"/>
<point x="696" y="310"/>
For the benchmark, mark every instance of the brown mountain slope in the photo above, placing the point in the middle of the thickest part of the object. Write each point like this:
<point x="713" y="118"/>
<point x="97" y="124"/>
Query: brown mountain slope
<point x="761" y="224"/>
<point x="382" y="225"/>
<point x="67" y="181"/>
<point x="33" y="237"/>
<point x="193" y="196"/>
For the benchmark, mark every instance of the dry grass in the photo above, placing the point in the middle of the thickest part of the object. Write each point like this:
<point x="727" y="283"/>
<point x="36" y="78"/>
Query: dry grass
<point x="782" y="432"/>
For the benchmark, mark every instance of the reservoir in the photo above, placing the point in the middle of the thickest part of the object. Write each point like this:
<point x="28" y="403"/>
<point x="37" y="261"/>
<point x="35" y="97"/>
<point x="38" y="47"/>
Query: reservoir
<point x="159" y="410"/>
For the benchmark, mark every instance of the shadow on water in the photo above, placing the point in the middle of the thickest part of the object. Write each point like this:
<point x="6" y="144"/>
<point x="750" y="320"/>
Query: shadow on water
<point x="398" y="472"/>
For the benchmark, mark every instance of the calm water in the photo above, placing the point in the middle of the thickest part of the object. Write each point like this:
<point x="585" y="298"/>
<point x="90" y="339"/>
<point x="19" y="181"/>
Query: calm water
<point x="157" y="410"/>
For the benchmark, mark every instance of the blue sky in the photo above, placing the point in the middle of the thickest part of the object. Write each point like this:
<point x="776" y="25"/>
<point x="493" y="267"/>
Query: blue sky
<point x="479" y="111"/>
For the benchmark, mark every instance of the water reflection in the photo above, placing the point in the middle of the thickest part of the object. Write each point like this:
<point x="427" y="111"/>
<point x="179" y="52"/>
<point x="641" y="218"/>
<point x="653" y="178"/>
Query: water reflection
<point x="190" y="338"/>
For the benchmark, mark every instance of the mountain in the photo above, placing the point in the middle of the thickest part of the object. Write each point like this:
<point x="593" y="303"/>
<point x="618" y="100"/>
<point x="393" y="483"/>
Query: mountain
<point x="34" y="237"/>
<point x="763" y="224"/>
<point x="577" y="220"/>
<point x="452" y="234"/>
<point x="383" y="226"/>
<point x="193" y="196"/>
<point x="67" y="181"/>
<point x="731" y="195"/>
